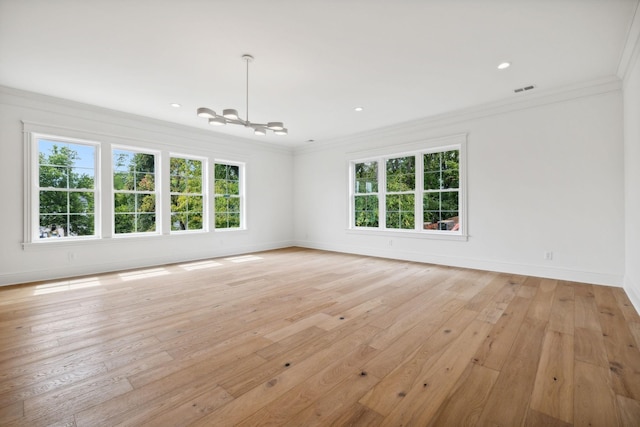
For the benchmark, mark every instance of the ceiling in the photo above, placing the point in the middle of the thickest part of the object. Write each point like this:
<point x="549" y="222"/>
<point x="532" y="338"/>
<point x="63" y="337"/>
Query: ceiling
<point x="315" y="60"/>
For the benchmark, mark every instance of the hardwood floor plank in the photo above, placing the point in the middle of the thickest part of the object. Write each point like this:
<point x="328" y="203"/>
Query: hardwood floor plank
<point x="553" y="390"/>
<point x="595" y="401"/>
<point x="561" y="318"/>
<point x="192" y="409"/>
<point x="439" y="377"/>
<point x="590" y="348"/>
<point x="496" y="347"/>
<point x="400" y="374"/>
<point x="508" y="401"/>
<point x="304" y="337"/>
<point x="283" y="409"/>
<point x="540" y="307"/>
<point x="628" y="411"/>
<point x="536" y="419"/>
<point x="466" y="402"/>
<point x="622" y="352"/>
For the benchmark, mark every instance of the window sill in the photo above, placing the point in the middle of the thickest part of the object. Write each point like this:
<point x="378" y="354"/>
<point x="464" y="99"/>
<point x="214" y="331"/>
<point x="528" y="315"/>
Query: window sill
<point x="411" y="234"/>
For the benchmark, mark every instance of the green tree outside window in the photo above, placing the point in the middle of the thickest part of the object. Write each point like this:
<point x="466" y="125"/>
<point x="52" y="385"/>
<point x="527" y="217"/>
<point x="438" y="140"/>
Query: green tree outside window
<point x="66" y="180"/>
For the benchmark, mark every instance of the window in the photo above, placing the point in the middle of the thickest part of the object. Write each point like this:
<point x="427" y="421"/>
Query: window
<point x="187" y="198"/>
<point x="228" y="196"/>
<point x="400" y="196"/>
<point x="134" y="192"/>
<point x="366" y="194"/>
<point x="419" y="191"/>
<point x="66" y="188"/>
<point x="441" y="191"/>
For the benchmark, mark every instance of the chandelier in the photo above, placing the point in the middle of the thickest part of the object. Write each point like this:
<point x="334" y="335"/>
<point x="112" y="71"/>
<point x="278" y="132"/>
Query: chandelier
<point x="230" y="116"/>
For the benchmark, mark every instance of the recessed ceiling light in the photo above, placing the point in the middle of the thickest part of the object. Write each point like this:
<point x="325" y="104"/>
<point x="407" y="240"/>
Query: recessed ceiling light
<point x="504" y="65"/>
<point x="358" y="109"/>
<point x="175" y="105"/>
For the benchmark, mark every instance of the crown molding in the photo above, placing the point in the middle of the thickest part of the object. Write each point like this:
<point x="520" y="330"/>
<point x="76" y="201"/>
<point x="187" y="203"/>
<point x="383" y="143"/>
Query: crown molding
<point x="94" y="115"/>
<point x="403" y="132"/>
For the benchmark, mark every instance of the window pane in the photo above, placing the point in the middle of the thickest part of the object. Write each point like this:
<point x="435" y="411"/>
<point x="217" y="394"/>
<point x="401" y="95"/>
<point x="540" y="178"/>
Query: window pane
<point x="124" y="223"/>
<point x="123" y="181"/>
<point x="145" y="223"/>
<point x="144" y="163"/>
<point x="194" y="221"/>
<point x="124" y="202"/>
<point x="401" y="174"/>
<point x="54" y="202"/>
<point x="145" y="202"/>
<point x="81" y="202"/>
<point x="400" y="211"/>
<point x="432" y="162"/>
<point x="449" y="201"/>
<point x="441" y="211"/>
<point x="52" y="226"/>
<point x="81" y="225"/>
<point x="81" y="178"/>
<point x="450" y="178"/>
<point x="177" y="166"/>
<point x="54" y="176"/>
<point x="366" y="177"/>
<point x="145" y="182"/>
<point x="366" y="211"/>
<point x="178" y="221"/>
<point x="194" y="185"/>
<point x="178" y="184"/>
<point x="234" y="204"/>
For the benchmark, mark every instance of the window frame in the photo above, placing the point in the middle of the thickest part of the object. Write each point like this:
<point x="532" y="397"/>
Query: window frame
<point x="418" y="150"/>
<point x="33" y="188"/>
<point x="241" y="190"/>
<point x="203" y="193"/>
<point x="157" y="190"/>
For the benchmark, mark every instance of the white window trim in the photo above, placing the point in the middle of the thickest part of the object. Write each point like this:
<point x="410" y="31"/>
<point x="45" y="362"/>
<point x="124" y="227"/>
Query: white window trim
<point x="241" y="176"/>
<point x="157" y="190"/>
<point x="458" y="142"/>
<point x="32" y="186"/>
<point x="205" y="192"/>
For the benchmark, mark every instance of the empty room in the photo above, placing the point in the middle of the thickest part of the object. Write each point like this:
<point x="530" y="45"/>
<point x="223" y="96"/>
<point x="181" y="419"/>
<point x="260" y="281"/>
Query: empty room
<point x="297" y="213"/>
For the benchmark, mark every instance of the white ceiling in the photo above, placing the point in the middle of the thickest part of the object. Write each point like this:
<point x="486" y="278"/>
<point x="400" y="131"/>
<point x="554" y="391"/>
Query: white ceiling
<point x="315" y="60"/>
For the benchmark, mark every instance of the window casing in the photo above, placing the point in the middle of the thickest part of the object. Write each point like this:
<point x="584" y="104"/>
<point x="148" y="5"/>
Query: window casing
<point x="186" y="189"/>
<point x="66" y="198"/>
<point x="135" y="193"/>
<point x="419" y="191"/>
<point x="229" y="195"/>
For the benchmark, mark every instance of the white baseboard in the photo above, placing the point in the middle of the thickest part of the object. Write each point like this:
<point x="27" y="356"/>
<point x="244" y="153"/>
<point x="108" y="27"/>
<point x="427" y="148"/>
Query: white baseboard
<point x="65" y="271"/>
<point x="592" y="277"/>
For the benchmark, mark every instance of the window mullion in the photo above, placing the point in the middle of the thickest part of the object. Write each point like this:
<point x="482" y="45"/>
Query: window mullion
<point x="382" y="189"/>
<point x="418" y="191"/>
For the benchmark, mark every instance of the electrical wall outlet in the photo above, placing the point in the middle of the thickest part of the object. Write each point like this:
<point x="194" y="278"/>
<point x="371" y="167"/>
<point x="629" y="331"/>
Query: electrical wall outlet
<point x="548" y="255"/>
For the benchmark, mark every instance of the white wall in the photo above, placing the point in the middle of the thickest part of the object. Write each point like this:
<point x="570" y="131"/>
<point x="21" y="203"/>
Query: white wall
<point x="632" y="178"/>
<point x="545" y="173"/>
<point x="268" y="175"/>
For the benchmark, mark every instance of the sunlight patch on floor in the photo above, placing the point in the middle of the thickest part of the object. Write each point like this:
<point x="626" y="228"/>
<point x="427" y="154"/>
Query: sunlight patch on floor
<point x="143" y="274"/>
<point x="66" y="285"/>
<point x="199" y="265"/>
<point x="244" y="258"/>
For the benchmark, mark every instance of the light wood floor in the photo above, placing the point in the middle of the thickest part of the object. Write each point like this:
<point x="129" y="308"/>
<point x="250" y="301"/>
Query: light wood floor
<point x="301" y="337"/>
